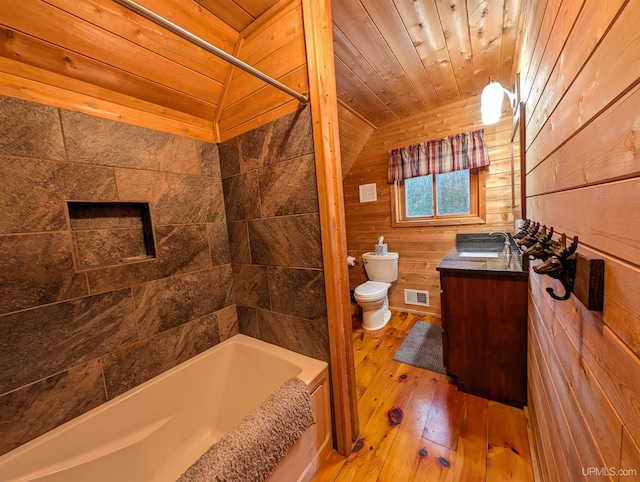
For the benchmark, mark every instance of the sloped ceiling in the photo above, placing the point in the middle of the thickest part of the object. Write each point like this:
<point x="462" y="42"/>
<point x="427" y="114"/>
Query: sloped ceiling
<point x="96" y="56"/>
<point x="98" y="49"/>
<point x="394" y="58"/>
<point x="398" y="58"/>
<point x="237" y="14"/>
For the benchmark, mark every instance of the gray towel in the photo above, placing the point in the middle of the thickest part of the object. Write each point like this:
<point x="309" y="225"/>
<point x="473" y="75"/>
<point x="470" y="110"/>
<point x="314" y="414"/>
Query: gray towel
<point x="250" y="451"/>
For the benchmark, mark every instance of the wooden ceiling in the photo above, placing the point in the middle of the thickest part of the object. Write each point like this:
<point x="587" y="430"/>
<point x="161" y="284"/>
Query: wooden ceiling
<point x="394" y="58"/>
<point x="96" y="56"/>
<point x="238" y="14"/>
<point x="398" y="58"/>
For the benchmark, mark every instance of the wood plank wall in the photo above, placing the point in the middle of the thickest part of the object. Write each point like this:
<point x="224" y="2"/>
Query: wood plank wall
<point x="97" y="58"/>
<point x="580" y="78"/>
<point x="354" y="134"/>
<point x="421" y="249"/>
<point x="274" y="44"/>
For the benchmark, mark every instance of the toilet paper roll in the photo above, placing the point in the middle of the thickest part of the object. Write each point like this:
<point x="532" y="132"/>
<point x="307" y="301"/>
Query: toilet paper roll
<point x="351" y="261"/>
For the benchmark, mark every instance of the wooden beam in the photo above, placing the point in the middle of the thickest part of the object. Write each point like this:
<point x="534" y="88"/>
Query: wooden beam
<point x="355" y="114"/>
<point x="324" y="114"/>
<point x="225" y="89"/>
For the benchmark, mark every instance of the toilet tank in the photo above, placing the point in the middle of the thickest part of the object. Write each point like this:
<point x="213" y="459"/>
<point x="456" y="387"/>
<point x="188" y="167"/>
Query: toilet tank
<point x="381" y="267"/>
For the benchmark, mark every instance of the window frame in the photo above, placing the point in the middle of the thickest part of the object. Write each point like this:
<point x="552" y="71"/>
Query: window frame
<point x="477" y="215"/>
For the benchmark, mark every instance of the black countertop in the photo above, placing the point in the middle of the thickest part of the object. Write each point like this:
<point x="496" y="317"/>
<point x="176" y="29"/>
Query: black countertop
<point x="468" y="256"/>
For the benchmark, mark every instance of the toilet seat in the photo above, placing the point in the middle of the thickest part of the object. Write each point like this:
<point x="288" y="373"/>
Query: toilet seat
<point x="371" y="290"/>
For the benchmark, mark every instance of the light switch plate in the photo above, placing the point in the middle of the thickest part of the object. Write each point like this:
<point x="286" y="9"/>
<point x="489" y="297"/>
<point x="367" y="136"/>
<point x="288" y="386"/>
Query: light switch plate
<point x="368" y="193"/>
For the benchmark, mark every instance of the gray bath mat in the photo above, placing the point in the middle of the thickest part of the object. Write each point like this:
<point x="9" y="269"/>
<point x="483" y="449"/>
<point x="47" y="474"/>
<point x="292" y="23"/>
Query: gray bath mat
<point x="422" y="347"/>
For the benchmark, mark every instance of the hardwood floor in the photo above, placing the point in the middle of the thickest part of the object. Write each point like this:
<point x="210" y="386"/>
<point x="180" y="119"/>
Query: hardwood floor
<point x="416" y="426"/>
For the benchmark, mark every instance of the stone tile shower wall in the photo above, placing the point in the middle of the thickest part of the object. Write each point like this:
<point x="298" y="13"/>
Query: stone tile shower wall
<point x="271" y="202"/>
<point x="71" y="338"/>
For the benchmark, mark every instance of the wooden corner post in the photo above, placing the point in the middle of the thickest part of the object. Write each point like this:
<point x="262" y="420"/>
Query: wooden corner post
<point x="324" y="113"/>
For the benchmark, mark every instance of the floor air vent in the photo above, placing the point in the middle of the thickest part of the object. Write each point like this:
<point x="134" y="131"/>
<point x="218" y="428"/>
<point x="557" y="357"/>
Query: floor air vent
<point x="416" y="297"/>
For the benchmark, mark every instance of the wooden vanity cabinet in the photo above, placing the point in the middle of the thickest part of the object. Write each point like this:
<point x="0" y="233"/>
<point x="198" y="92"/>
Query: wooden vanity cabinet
<point x="484" y="323"/>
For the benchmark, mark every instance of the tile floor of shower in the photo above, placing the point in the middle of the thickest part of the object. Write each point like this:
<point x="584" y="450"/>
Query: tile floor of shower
<point x="444" y="435"/>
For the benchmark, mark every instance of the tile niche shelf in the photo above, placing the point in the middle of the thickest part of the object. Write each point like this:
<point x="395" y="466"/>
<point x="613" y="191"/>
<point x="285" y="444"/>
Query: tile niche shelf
<point x="110" y="233"/>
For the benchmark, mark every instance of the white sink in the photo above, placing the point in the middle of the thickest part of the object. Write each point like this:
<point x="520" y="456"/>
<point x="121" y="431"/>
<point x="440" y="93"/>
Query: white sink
<point x="478" y="254"/>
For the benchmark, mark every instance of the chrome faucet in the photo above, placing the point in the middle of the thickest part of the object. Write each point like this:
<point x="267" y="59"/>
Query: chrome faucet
<point x="507" y="244"/>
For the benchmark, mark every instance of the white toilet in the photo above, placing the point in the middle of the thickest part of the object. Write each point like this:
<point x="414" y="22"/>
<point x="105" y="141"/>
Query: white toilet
<point x="382" y="270"/>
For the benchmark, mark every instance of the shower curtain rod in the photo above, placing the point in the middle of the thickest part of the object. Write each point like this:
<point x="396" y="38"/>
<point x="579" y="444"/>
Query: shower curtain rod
<point x="185" y="34"/>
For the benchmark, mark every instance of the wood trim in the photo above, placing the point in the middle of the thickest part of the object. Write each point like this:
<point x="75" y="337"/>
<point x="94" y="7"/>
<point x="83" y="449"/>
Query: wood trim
<point x="225" y="89"/>
<point x="350" y="109"/>
<point x="477" y="213"/>
<point x="523" y="160"/>
<point x="260" y="119"/>
<point x="324" y="113"/>
<point x="534" y="451"/>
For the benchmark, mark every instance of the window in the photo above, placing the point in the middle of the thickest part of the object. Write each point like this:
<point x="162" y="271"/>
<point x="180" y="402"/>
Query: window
<point x="451" y="198"/>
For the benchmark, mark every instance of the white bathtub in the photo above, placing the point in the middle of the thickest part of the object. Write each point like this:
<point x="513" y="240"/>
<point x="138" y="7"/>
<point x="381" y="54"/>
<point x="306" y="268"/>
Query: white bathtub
<point x="155" y="431"/>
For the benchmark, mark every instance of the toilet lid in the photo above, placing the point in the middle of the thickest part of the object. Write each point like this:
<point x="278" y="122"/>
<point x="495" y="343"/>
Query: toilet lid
<point x="372" y="289"/>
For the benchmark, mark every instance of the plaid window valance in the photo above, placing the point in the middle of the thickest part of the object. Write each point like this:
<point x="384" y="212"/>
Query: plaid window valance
<point x="457" y="152"/>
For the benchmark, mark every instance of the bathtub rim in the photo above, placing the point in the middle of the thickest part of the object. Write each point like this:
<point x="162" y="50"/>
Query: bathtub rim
<point x="311" y="372"/>
<point x="310" y="368"/>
